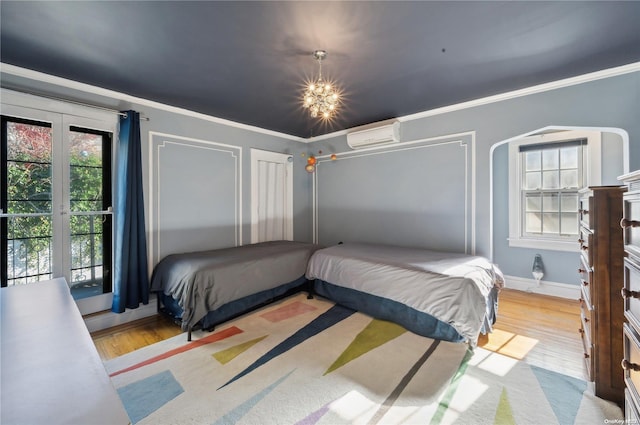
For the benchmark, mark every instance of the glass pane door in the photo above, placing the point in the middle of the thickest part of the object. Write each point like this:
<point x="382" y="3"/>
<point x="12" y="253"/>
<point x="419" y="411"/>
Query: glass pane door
<point x="90" y="218"/>
<point x="26" y="202"/>
<point x="55" y="196"/>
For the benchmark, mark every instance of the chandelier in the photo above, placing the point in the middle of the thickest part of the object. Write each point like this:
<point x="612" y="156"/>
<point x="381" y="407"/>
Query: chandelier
<point x="320" y="97"/>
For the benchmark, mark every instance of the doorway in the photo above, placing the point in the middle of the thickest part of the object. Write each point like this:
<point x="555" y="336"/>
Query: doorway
<point x="271" y="196"/>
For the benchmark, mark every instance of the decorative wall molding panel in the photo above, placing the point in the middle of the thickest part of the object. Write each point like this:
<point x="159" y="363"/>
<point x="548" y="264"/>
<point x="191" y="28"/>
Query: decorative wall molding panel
<point x="416" y="193"/>
<point x="195" y="195"/>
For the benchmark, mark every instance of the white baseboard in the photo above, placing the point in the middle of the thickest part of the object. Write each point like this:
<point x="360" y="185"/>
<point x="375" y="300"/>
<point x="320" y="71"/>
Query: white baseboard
<point x="555" y="289"/>
<point x="110" y="319"/>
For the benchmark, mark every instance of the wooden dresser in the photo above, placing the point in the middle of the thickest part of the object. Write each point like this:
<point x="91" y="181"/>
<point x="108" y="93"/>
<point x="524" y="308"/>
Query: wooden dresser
<point x="601" y="274"/>
<point x="631" y="294"/>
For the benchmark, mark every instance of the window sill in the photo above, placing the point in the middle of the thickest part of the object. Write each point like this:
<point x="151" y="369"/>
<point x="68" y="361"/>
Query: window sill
<point x="549" y="245"/>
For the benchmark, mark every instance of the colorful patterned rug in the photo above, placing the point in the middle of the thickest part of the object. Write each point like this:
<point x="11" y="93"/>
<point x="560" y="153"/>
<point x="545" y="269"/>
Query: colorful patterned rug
<point x="309" y="362"/>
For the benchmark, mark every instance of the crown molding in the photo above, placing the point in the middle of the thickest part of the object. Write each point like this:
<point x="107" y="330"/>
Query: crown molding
<point x="540" y="88"/>
<point x="567" y="82"/>
<point x="87" y="88"/>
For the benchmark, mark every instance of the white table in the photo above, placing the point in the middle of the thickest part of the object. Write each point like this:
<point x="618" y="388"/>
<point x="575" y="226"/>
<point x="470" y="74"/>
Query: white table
<point x="50" y="371"/>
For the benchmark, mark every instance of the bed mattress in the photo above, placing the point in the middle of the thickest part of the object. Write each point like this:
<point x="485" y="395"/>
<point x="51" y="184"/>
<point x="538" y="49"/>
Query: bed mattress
<point x="453" y="288"/>
<point x="204" y="281"/>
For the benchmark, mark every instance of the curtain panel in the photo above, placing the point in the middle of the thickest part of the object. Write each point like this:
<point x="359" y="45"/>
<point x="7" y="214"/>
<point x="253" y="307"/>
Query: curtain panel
<point x="131" y="277"/>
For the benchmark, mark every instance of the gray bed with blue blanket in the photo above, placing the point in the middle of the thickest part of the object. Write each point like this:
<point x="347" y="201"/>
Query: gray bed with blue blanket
<point x="440" y="295"/>
<point x="208" y="287"/>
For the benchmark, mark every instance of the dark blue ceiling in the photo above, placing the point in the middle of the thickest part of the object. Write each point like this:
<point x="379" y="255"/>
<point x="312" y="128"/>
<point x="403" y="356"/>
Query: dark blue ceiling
<point x="247" y="61"/>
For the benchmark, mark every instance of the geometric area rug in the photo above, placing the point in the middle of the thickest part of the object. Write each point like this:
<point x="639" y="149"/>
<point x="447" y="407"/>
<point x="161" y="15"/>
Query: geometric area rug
<point x="308" y="362"/>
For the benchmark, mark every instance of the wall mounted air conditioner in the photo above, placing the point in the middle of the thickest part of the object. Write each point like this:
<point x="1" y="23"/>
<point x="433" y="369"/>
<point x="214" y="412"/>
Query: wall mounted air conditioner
<point x="376" y="136"/>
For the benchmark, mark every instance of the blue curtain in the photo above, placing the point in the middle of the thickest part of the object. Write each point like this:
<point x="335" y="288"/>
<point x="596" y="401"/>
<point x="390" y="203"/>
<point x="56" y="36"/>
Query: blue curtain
<point x="131" y="277"/>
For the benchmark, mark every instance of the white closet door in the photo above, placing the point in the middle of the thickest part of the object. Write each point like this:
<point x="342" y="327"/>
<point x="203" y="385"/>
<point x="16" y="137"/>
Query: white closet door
<point x="271" y="196"/>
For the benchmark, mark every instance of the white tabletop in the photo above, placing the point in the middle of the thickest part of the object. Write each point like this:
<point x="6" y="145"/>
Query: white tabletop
<point x="50" y="371"/>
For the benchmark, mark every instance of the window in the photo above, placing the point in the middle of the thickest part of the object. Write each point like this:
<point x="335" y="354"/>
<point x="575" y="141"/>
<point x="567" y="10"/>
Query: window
<point x="546" y="173"/>
<point x="55" y="194"/>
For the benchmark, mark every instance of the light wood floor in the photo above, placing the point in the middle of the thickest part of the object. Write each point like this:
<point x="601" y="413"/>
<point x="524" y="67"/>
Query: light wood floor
<point x="539" y="329"/>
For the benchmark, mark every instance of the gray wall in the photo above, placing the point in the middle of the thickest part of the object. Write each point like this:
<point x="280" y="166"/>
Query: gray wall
<point x="198" y="182"/>
<point x="398" y="195"/>
<point x="196" y="170"/>
<point x="404" y="197"/>
<point x="612" y="102"/>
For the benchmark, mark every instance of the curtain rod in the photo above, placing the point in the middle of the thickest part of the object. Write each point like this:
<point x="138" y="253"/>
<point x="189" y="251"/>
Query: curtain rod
<point x="75" y="102"/>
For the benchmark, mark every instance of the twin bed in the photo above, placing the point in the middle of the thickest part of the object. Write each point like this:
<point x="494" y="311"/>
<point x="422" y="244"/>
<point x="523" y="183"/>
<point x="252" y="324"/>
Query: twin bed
<point x="440" y="295"/>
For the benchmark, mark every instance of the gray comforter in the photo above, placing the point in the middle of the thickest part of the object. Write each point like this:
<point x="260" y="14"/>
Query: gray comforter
<point x="204" y="281"/>
<point x="451" y="287"/>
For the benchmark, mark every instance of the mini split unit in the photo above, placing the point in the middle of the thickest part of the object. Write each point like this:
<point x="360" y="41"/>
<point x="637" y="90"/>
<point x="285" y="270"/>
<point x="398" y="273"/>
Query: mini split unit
<point x="376" y="136"/>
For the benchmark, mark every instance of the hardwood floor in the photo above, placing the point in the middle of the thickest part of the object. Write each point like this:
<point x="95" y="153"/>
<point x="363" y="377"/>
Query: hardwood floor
<point x="539" y="329"/>
<point x="114" y="342"/>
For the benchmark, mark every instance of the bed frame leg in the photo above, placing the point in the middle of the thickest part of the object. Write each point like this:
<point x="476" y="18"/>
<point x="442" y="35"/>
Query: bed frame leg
<point x="189" y="334"/>
<point x="309" y="289"/>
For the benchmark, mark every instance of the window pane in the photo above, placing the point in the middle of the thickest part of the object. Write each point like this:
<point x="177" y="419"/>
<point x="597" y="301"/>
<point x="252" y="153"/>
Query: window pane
<point x="554" y="173"/>
<point x="550" y="203"/>
<point x="532" y="161"/>
<point x="569" y="224"/>
<point x="550" y="223"/>
<point x="534" y="203"/>
<point x="28" y="168"/>
<point x="85" y="171"/>
<point x="28" y="249"/>
<point x="569" y="157"/>
<point x="550" y="179"/>
<point x="28" y="240"/>
<point x="550" y="159"/>
<point x="569" y="203"/>
<point x="27" y="142"/>
<point x="532" y="181"/>
<point x="569" y="178"/>
<point x="533" y="224"/>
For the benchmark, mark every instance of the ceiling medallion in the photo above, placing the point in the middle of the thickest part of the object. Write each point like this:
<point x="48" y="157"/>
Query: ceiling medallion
<point x="320" y="96"/>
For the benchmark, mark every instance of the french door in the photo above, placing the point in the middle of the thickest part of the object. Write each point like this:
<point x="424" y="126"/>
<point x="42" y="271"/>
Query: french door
<point x="55" y="200"/>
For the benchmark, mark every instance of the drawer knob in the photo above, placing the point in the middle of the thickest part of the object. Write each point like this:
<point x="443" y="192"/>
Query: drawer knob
<point x="581" y="331"/>
<point x="585" y="283"/>
<point x="586" y="356"/>
<point x="629" y="294"/>
<point x="627" y="365"/>
<point x="584" y="247"/>
<point x="584" y="212"/>
<point x="624" y="223"/>
<point x="580" y="240"/>
<point x="581" y="271"/>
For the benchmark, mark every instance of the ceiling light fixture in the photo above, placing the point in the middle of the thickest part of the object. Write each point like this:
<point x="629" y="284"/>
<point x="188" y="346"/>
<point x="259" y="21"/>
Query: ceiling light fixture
<point x="320" y="96"/>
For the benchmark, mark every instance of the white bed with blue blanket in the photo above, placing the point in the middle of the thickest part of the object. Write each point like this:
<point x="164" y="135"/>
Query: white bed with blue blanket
<point x="440" y="295"/>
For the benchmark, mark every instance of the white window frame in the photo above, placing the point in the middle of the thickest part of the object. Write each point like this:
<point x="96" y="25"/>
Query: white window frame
<point x="592" y="168"/>
<point x="62" y="115"/>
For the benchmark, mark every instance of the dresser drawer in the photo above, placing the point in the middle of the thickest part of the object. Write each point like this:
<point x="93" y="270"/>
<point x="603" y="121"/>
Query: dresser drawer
<point x="585" y="241"/>
<point x="588" y="352"/>
<point x="585" y="210"/>
<point x="631" y="361"/>
<point x="631" y="292"/>
<point x="631" y="415"/>
<point x="631" y="223"/>
<point x="586" y="329"/>
<point x="585" y="272"/>
<point x="586" y="310"/>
